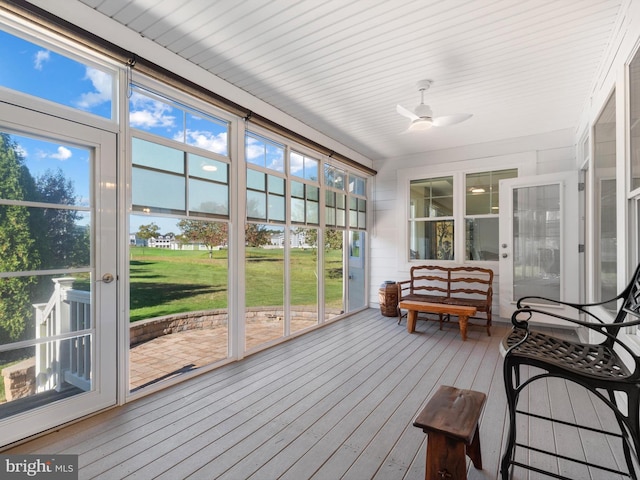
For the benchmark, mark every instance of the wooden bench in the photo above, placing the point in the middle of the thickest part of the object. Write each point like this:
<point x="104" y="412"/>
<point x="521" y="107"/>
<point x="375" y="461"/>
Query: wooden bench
<point x="463" y="313"/>
<point x="456" y="286"/>
<point x="451" y="421"/>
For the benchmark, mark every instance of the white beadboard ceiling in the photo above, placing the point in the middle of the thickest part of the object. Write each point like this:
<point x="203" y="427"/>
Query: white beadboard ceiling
<point x="521" y="67"/>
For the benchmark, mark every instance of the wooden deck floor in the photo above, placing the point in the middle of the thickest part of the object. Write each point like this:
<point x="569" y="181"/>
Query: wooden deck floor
<point x="338" y="402"/>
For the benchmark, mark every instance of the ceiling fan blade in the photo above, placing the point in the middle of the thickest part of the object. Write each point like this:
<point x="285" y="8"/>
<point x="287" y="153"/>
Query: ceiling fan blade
<point x="406" y="113"/>
<point x="447" y="120"/>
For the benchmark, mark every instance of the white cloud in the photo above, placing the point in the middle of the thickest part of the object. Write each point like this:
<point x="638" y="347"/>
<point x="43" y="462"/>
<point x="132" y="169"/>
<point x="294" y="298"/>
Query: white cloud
<point x="254" y="149"/>
<point x="206" y="140"/>
<point x="102" y="83"/>
<point x="21" y="151"/>
<point x="148" y="113"/>
<point x="40" y="58"/>
<point x="63" y="153"/>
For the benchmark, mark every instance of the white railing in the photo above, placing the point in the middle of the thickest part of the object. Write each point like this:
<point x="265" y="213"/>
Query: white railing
<point x="67" y="359"/>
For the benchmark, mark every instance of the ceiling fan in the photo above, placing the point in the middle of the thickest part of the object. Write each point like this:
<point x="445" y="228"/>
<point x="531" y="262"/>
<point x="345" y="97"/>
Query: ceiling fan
<point x="422" y="117"/>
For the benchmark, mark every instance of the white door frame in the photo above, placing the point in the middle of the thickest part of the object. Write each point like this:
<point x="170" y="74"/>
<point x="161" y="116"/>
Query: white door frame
<point x="103" y="394"/>
<point x="569" y="267"/>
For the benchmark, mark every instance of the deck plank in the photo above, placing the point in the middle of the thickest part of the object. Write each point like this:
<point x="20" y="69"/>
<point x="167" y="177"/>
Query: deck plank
<point x="337" y="402"/>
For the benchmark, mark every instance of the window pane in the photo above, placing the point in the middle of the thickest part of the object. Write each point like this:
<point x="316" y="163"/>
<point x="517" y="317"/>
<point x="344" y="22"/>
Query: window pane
<point x="303" y="266"/>
<point x="334" y="177"/>
<point x="297" y="189"/>
<point x="483" y="191"/>
<point x="313" y="214"/>
<point x="255" y="180"/>
<point x="256" y="205"/>
<point x="634" y="106"/>
<point x="43" y="73"/>
<point x="154" y="114"/>
<point x="157" y="156"/>
<point x="333" y="273"/>
<point x="297" y="210"/>
<point x="431" y="240"/>
<point x="311" y="169"/>
<point x="159" y="192"/>
<point x="276" y="184"/>
<point x="432" y="197"/>
<point x="208" y="197"/>
<point x="313" y="193"/>
<point x="260" y="151"/>
<point x="277" y="211"/>
<point x="264" y="274"/>
<point x="61" y="172"/>
<point x="207" y="168"/>
<point x="605" y="194"/>
<point x="481" y="239"/>
<point x="178" y="291"/>
<point x="206" y="133"/>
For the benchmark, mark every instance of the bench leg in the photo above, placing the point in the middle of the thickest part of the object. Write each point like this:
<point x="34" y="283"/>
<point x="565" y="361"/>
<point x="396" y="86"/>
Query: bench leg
<point x="463" y="320"/>
<point x="412" y="316"/>
<point x="445" y="458"/>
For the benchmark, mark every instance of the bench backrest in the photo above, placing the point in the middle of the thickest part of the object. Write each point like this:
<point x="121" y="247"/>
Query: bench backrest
<point x="460" y="282"/>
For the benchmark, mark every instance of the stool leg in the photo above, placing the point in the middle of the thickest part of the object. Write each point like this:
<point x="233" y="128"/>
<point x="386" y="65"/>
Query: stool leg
<point x="445" y="458"/>
<point x="473" y="450"/>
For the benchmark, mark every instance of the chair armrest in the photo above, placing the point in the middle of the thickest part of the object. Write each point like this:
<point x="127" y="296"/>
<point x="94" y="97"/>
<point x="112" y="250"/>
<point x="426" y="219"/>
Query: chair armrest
<point x="403" y="286"/>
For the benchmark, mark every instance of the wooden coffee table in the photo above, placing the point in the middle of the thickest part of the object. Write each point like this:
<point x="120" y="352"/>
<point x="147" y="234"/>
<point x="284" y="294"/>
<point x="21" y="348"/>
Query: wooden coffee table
<point x="413" y="307"/>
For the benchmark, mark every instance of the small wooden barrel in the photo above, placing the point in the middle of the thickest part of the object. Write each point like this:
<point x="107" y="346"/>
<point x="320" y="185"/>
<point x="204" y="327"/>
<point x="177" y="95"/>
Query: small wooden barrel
<point x="388" y="297"/>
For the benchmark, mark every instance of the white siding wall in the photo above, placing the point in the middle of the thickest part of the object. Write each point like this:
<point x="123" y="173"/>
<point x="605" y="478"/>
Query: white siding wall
<point x="553" y="152"/>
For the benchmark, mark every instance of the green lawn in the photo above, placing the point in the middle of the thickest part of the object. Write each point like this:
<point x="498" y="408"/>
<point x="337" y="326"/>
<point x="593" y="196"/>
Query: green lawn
<point x="165" y="282"/>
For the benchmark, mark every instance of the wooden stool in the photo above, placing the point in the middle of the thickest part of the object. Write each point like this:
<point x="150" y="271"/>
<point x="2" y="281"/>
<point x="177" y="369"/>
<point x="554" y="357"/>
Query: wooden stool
<point x="450" y="419"/>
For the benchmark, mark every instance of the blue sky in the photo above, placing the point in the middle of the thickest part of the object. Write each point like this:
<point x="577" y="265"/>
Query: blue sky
<point x="42" y="72"/>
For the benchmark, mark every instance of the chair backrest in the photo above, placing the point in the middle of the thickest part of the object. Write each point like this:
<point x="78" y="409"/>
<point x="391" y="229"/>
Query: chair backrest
<point x="631" y="296"/>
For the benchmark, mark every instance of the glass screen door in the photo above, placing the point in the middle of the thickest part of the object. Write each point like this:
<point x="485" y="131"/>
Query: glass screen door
<point x="57" y="271"/>
<point x="539" y="239"/>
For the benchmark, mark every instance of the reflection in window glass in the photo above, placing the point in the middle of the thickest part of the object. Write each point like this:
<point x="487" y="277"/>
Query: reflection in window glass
<point x="263" y="203"/>
<point x="40" y="71"/>
<point x="357" y="185"/>
<point x="264" y="153"/>
<point x="158" y="115"/>
<point x="431" y="240"/>
<point x="208" y="197"/>
<point x="303" y="166"/>
<point x="482" y="240"/>
<point x="334" y="177"/>
<point x="153" y="191"/>
<point x="157" y="156"/>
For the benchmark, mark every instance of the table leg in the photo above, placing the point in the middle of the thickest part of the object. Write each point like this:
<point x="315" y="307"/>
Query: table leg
<point x="412" y="316"/>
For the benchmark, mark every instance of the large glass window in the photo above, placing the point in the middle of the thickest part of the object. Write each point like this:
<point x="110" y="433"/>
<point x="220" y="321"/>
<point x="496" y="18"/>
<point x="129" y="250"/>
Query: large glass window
<point x="431" y="224"/>
<point x="605" y="220"/>
<point x="178" y="238"/>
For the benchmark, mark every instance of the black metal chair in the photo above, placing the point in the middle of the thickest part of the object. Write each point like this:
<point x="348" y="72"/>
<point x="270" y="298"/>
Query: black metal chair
<point x="597" y="367"/>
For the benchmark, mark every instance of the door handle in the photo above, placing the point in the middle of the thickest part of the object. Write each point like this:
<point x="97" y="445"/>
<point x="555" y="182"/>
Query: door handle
<point x="504" y="255"/>
<point x="107" y="278"/>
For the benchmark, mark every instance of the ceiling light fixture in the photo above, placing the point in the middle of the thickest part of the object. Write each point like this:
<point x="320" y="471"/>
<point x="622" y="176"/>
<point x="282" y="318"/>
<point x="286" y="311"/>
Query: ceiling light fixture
<point x="477" y="190"/>
<point x="209" y="168"/>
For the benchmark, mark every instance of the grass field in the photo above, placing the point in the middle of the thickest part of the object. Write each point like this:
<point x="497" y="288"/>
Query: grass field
<point x="165" y="282"/>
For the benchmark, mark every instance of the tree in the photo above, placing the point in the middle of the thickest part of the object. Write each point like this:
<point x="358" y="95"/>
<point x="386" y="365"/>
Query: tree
<point x="210" y="234"/>
<point x="256" y="235"/>
<point x="67" y="243"/>
<point x="18" y="249"/>
<point x="145" y="232"/>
